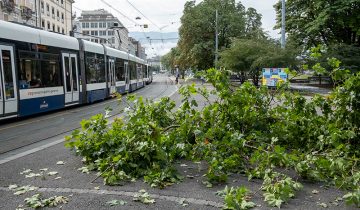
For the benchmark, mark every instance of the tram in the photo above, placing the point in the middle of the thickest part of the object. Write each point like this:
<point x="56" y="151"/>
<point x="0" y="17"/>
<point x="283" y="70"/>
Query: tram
<point x="42" y="71"/>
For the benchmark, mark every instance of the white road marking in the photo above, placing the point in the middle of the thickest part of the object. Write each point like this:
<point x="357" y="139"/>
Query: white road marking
<point x="176" y="199"/>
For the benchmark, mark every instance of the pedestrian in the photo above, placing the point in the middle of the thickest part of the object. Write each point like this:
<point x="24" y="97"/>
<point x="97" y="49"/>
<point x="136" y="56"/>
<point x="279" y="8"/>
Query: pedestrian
<point x="177" y="76"/>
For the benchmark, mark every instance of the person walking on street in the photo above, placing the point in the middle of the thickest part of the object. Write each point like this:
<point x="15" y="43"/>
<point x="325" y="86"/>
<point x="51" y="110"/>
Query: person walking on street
<point x="177" y="76"/>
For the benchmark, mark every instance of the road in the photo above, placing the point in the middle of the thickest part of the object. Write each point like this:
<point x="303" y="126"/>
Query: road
<point x="85" y="193"/>
<point x="20" y="133"/>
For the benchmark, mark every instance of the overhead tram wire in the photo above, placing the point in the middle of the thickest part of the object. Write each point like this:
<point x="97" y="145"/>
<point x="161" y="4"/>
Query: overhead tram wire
<point x="77" y="8"/>
<point x="109" y="5"/>
<point x="142" y="14"/>
<point x="162" y="46"/>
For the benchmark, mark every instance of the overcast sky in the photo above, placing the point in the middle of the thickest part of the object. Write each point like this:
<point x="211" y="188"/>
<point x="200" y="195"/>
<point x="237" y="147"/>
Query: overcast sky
<point x="165" y="15"/>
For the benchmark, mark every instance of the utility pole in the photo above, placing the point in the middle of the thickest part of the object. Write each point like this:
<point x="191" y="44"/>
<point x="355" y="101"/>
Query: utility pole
<point x="216" y="39"/>
<point x="283" y="24"/>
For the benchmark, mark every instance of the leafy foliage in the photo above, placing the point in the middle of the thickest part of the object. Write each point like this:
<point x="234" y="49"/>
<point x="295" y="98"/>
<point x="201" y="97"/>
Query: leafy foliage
<point x="321" y="22"/>
<point x="248" y="56"/>
<point x="237" y="198"/>
<point x="279" y="188"/>
<point x="197" y="31"/>
<point x="250" y="130"/>
<point x="36" y="201"/>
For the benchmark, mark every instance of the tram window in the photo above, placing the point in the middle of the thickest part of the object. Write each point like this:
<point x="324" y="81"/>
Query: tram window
<point x="120" y="71"/>
<point x="30" y="74"/>
<point x="95" y="68"/>
<point x="139" y="71"/>
<point x="8" y="74"/>
<point x="50" y="73"/>
<point x="39" y="70"/>
<point x="74" y="71"/>
<point x="133" y="75"/>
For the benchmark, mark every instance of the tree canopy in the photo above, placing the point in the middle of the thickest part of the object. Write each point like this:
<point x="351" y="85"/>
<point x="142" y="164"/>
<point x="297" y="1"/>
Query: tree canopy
<point x="197" y="33"/>
<point x="249" y="56"/>
<point x="324" y="22"/>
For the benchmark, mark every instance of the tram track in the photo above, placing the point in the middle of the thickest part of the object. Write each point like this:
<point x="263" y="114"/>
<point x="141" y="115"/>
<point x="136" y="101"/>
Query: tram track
<point x="164" y="88"/>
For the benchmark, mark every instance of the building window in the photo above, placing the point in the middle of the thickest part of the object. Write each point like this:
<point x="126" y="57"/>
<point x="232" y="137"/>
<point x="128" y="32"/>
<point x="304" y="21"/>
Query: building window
<point x="113" y="40"/>
<point x="63" y="31"/>
<point x="62" y="1"/>
<point x="53" y="28"/>
<point x="104" y="24"/>
<point x="110" y="33"/>
<point x="48" y="25"/>
<point x="53" y="12"/>
<point x="43" y="24"/>
<point x="58" y="29"/>
<point x="58" y="15"/>
<point x="47" y="9"/>
<point x="86" y="32"/>
<point x="83" y="25"/>
<point x="87" y="25"/>
<point x="94" y="33"/>
<point x="42" y="7"/>
<point x="62" y="17"/>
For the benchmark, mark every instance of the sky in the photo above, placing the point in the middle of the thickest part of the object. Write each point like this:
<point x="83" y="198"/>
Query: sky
<point x="164" y="16"/>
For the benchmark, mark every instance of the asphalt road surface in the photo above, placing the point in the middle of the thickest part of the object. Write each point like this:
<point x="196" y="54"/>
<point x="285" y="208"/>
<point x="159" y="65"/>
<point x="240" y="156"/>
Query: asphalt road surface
<point x="18" y="133"/>
<point x="83" y="192"/>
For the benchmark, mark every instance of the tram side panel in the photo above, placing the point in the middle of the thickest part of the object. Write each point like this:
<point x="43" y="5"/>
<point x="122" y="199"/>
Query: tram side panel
<point x="39" y="78"/>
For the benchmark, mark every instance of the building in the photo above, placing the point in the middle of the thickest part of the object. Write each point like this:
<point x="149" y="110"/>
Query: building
<point x="132" y="46"/>
<point x="20" y="11"/>
<point x="136" y="48"/>
<point x="55" y="15"/>
<point x="51" y="15"/>
<point x="101" y="26"/>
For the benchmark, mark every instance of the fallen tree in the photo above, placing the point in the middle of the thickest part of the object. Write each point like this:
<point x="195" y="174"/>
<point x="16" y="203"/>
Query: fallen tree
<point x="249" y="130"/>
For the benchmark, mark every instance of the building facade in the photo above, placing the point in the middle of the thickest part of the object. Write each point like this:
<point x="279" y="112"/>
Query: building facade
<point x="51" y="15"/>
<point x="55" y="15"/>
<point x="102" y="27"/>
<point x="136" y="48"/>
<point x="21" y="11"/>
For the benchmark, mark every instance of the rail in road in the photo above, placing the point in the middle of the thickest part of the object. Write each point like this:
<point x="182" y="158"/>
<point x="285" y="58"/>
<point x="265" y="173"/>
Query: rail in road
<point x="21" y="133"/>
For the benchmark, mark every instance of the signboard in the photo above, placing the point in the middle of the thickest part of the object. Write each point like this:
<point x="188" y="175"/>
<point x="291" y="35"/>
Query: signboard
<point x="272" y="76"/>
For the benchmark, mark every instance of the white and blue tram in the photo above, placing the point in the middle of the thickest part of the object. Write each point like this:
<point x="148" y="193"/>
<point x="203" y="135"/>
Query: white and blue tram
<point x="41" y="71"/>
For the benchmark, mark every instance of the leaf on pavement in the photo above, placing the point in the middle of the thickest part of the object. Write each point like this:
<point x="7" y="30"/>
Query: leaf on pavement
<point x="116" y="202"/>
<point x="314" y="192"/>
<point x="60" y="163"/>
<point x="12" y="186"/>
<point x="26" y="171"/>
<point x="52" y="173"/>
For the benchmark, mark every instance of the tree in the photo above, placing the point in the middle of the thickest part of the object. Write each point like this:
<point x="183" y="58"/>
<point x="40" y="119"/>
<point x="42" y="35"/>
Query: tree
<point x="325" y="22"/>
<point x="171" y="59"/>
<point x="248" y="56"/>
<point x="197" y="33"/>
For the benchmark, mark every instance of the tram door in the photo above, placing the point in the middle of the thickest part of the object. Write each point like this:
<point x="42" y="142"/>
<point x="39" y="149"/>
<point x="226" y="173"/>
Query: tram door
<point x="71" y="78"/>
<point x="127" y="76"/>
<point x="8" y="93"/>
<point x="112" y="80"/>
